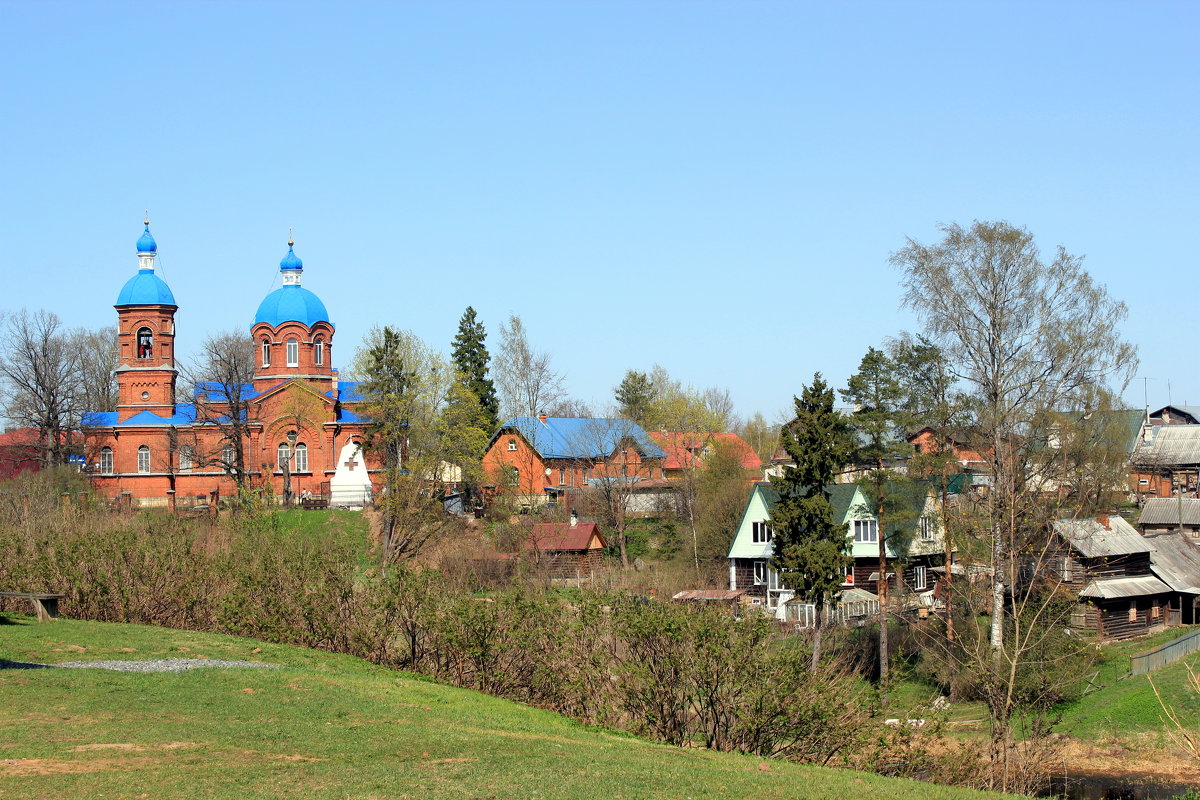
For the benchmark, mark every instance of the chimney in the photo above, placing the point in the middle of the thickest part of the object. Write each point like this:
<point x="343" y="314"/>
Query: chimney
<point x="1103" y="520"/>
<point x="542" y="417"/>
<point x="334" y="391"/>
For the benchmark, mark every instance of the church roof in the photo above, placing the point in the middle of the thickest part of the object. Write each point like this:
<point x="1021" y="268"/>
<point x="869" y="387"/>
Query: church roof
<point x="145" y="289"/>
<point x="291" y="304"/>
<point x="146" y="243"/>
<point x="185" y="414"/>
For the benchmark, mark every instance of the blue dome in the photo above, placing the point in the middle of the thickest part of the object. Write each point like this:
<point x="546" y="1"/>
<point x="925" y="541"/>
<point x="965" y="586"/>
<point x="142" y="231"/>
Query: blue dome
<point x="146" y="289"/>
<point x="291" y="304"/>
<point x="291" y="261"/>
<point x="146" y="243"/>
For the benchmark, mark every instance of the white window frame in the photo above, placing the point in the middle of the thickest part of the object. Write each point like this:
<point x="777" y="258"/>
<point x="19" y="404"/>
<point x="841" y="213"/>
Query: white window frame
<point x="512" y="445"/>
<point x="293" y="352"/>
<point x="143" y="464"/>
<point x="106" y="461"/>
<point x="848" y="575"/>
<point x="266" y="352"/>
<point x="925" y="526"/>
<point x="319" y="352"/>
<point x="920" y="578"/>
<point x="186" y="458"/>
<point x="866" y="531"/>
<point x="300" y="458"/>
<point x="761" y="573"/>
<point x="227" y="457"/>
<point x="283" y="454"/>
<point x="760" y="532"/>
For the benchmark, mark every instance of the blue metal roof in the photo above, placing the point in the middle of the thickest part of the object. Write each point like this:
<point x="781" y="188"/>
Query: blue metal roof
<point x="291" y="261"/>
<point x="291" y="304"/>
<point x="582" y="437"/>
<point x="145" y="289"/>
<point x="185" y="414"/>
<point x="348" y="392"/>
<point x="146" y="243"/>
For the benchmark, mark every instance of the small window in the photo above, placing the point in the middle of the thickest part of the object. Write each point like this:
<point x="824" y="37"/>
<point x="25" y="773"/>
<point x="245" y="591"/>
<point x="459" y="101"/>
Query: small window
<point x="512" y="445"/>
<point x="301" y="458"/>
<point x="920" y="578"/>
<point x="866" y="530"/>
<point x="760" y="573"/>
<point x="586" y="473"/>
<point x="926" y="529"/>
<point x="187" y="457"/>
<point x="145" y="343"/>
<point x="143" y="459"/>
<point x="293" y="353"/>
<point x="106" y="461"/>
<point x="283" y="455"/>
<point x="514" y="476"/>
<point x="266" y="352"/>
<point x="760" y="532"/>
<point x="848" y="575"/>
<point x="1133" y="611"/>
<point x="562" y="477"/>
<point x="227" y="457"/>
<point x="319" y="352"/>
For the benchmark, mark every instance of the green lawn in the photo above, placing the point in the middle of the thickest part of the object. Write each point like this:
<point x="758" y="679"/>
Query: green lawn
<point x="330" y="726"/>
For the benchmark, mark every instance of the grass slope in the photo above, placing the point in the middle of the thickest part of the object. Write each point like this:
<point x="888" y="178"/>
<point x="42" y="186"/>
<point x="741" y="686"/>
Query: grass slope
<point x="330" y="726"/>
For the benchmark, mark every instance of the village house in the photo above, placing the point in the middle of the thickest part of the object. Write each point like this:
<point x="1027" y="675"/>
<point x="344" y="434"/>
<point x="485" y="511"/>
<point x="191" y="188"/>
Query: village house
<point x="688" y="452"/>
<point x="910" y="573"/>
<point x="1166" y="461"/>
<point x="300" y="431"/>
<point x="537" y="460"/>
<point x="565" y="550"/>
<point x="1162" y="514"/>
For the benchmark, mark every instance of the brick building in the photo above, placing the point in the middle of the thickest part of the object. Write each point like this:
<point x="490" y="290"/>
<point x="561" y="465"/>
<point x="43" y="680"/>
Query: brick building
<point x="300" y="426"/>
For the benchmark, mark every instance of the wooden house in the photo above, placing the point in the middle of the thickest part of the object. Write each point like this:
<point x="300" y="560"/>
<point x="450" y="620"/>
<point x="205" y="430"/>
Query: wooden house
<point x="565" y="550"/>
<point x="1162" y="514"/>
<point x="910" y="572"/>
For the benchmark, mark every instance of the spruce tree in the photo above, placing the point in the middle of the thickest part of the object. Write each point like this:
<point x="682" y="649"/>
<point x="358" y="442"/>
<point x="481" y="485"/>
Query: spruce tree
<point x="471" y="359"/>
<point x="811" y="550"/>
<point x="635" y="395"/>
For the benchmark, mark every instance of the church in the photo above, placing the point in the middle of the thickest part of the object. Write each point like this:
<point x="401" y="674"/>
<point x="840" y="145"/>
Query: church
<point x="296" y="428"/>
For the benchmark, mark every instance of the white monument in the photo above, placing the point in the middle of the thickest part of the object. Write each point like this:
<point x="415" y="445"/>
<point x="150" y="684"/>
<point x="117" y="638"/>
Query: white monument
<point x="350" y="486"/>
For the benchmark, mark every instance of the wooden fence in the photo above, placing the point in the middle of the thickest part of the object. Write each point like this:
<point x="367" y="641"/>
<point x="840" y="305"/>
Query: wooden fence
<point x="1169" y="652"/>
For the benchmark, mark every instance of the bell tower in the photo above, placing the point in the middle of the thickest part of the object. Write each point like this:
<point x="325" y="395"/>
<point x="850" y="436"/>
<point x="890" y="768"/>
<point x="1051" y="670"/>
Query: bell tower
<point x="146" y="308"/>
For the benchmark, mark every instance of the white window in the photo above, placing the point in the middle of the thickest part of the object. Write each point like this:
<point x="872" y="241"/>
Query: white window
<point x="106" y="461"/>
<point x="293" y="353"/>
<point x="514" y="476"/>
<point x="283" y="455"/>
<point x="926" y="529"/>
<point x="143" y="459"/>
<point x="301" y="458"/>
<point x="562" y="477"/>
<point x="848" y="580"/>
<point x="319" y="352"/>
<point x="227" y="456"/>
<point x="760" y="532"/>
<point x="920" y="578"/>
<point x="187" y="457"/>
<point x="760" y="573"/>
<point x="266" y="352"/>
<point x="866" y="530"/>
<point x="512" y="445"/>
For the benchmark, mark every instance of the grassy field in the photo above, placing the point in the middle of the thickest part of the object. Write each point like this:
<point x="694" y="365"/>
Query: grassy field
<point x="330" y="726"/>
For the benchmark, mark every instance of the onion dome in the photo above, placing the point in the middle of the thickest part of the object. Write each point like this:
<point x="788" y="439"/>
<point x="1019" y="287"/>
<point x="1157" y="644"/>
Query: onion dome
<point x="291" y="260"/>
<point x="146" y="243"/>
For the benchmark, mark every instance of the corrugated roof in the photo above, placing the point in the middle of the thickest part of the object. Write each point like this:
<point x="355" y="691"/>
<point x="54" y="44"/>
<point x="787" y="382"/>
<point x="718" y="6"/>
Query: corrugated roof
<point x="581" y="437"/>
<point x="1093" y="540"/>
<point x="1176" y="561"/>
<point x="1116" y="588"/>
<point x="563" y="536"/>
<point x="725" y="595"/>
<point x="1170" y="445"/>
<point x="1169" y="510"/>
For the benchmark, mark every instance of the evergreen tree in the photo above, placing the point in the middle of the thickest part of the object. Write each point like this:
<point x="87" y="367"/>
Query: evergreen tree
<point x="811" y="550"/>
<point x="878" y="395"/>
<point x="471" y="359"/>
<point x="635" y="395"/>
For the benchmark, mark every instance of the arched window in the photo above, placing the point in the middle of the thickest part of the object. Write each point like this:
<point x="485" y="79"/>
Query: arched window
<point x="143" y="459"/>
<point x="266" y="352"/>
<point x="293" y="353"/>
<point x="283" y="455"/>
<point x="319" y="352"/>
<point x="187" y="457"/>
<point x="106" y="464"/>
<point x="300" y="464"/>
<point x="145" y="343"/>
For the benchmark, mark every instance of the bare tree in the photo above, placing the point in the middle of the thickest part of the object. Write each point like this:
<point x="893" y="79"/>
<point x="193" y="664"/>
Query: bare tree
<point x="527" y="380"/>
<point x="99" y="353"/>
<point x="222" y="377"/>
<point x="40" y="371"/>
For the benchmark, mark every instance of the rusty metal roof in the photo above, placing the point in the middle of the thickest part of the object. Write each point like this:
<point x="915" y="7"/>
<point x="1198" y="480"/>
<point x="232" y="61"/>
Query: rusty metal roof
<point x="1176" y="561"/>
<point x="1169" y="445"/>
<point x="1094" y="540"/>
<point x="1116" y="588"/>
<point x="725" y="595"/>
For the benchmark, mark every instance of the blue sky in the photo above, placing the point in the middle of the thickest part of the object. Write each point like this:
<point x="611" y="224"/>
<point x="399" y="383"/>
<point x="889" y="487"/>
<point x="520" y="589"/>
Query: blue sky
<point x="715" y="187"/>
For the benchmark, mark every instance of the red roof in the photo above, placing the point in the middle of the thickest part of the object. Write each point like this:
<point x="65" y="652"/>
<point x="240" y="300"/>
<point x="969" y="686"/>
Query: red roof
<point x="562" y="536"/>
<point x="686" y="450"/>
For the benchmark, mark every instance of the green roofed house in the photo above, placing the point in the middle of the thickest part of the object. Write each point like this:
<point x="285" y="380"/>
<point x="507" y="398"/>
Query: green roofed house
<point x="911" y="574"/>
